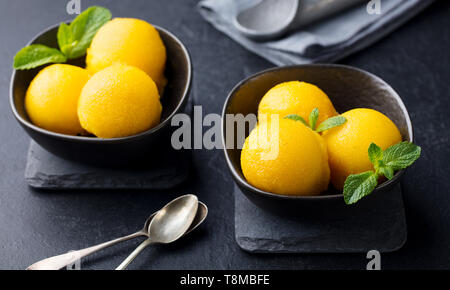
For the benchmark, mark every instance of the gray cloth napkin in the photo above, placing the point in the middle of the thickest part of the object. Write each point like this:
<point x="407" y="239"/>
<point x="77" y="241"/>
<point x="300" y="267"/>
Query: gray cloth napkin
<point x="325" y="41"/>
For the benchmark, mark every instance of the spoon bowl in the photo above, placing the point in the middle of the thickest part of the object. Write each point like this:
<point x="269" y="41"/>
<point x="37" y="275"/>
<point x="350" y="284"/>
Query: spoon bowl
<point x="173" y="220"/>
<point x="202" y="213"/>
<point x="269" y="19"/>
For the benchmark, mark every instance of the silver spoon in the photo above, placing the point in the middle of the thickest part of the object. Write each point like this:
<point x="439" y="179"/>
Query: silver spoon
<point x="202" y="212"/>
<point x="168" y="225"/>
<point x="61" y="261"/>
<point x="269" y="19"/>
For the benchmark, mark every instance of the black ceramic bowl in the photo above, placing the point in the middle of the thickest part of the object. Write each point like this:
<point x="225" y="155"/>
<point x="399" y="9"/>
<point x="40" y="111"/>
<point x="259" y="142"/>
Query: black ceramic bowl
<point x="347" y="87"/>
<point x="112" y="151"/>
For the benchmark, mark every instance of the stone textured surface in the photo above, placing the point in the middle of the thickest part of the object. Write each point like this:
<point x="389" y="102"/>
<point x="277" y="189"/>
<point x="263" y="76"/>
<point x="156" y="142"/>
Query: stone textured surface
<point x="378" y="223"/>
<point x="35" y="224"/>
<point x="46" y="171"/>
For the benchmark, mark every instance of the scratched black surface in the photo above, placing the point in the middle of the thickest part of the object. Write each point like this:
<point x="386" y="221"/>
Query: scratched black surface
<point x="37" y="224"/>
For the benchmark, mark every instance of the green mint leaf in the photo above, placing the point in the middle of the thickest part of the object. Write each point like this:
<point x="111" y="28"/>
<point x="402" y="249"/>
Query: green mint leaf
<point x="36" y="55"/>
<point x="313" y="118"/>
<point x="74" y="39"/>
<point x="357" y="186"/>
<point x="64" y="37"/>
<point x="401" y="155"/>
<point x="375" y="154"/>
<point x="296" y="118"/>
<point x="386" y="171"/>
<point x="331" y="123"/>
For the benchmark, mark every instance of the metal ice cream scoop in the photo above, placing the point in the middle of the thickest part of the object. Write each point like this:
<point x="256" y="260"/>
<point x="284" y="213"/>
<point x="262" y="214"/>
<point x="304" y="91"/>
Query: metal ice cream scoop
<point x="270" y="19"/>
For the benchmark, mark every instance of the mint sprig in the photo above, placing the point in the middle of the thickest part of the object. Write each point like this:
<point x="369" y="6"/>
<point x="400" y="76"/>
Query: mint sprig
<point x="296" y="118"/>
<point x="314" y="116"/>
<point x="401" y="155"/>
<point x="396" y="157"/>
<point x="36" y="55"/>
<point x="375" y="153"/>
<point x="73" y="40"/>
<point x="331" y="123"/>
<point x="360" y="184"/>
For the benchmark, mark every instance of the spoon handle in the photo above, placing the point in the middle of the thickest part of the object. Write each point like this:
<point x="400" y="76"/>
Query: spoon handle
<point x="60" y="261"/>
<point x="134" y="254"/>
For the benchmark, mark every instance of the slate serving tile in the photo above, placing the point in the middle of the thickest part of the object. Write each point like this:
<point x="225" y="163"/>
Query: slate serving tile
<point x="47" y="171"/>
<point x="374" y="223"/>
<point x="164" y="170"/>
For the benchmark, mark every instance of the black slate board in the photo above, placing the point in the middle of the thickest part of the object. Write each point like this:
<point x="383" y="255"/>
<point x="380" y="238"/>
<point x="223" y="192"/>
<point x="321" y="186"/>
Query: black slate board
<point x="45" y="170"/>
<point x="378" y="224"/>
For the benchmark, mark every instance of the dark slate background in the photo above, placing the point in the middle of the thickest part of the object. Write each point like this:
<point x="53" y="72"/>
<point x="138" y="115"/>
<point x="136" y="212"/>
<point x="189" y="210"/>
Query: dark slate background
<point x="36" y="224"/>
